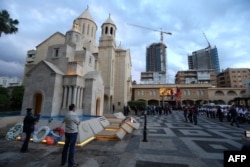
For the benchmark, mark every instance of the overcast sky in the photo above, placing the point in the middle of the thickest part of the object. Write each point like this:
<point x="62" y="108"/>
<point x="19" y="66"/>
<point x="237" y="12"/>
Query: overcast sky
<point x="225" y="23"/>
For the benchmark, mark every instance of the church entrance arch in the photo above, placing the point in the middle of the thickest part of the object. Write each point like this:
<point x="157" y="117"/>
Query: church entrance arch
<point x="38" y="100"/>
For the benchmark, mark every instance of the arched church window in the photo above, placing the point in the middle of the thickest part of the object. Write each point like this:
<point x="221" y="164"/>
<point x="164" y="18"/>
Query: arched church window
<point x="92" y="31"/>
<point x="88" y="30"/>
<point x="83" y="28"/>
<point x="111" y="30"/>
<point x="106" y="30"/>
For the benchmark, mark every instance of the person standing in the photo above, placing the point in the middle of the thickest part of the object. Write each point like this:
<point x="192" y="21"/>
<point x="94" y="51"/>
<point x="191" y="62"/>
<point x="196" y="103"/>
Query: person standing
<point x="136" y="110"/>
<point x="220" y="113"/>
<point x="113" y="108"/>
<point x="28" y="128"/>
<point x="71" y="121"/>
<point x="190" y="114"/>
<point x="234" y="116"/>
<point x="185" y="113"/>
<point x="195" y="115"/>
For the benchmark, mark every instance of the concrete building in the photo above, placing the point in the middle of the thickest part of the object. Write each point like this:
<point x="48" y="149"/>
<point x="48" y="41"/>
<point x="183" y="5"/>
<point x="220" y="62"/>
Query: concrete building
<point x="72" y="68"/>
<point x="190" y="94"/>
<point x="156" y="67"/>
<point x="153" y="77"/>
<point x="10" y="81"/>
<point x="196" y="77"/>
<point x="155" y="57"/>
<point x="233" y="77"/>
<point x="204" y="59"/>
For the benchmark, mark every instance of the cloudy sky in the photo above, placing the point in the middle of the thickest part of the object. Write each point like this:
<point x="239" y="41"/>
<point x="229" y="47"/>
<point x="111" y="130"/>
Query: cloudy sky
<point x="225" y="23"/>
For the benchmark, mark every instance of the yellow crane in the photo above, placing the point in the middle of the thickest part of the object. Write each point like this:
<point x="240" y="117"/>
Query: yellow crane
<point x="161" y="32"/>
<point x="209" y="46"/>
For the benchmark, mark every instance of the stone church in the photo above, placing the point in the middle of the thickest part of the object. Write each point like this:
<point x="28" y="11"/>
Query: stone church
<point x="72" y="68"/>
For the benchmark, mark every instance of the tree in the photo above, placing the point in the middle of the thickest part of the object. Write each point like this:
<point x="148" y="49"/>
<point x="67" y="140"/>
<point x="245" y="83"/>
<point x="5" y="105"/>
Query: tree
<point x="4" y="98"/>
<point x="17" y="97"/>
<point x="7" y="24"/>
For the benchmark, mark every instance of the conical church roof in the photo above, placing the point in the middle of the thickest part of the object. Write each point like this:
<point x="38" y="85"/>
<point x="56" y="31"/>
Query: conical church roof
<point x="86" y="15"/>
<point x="109" y="21"/>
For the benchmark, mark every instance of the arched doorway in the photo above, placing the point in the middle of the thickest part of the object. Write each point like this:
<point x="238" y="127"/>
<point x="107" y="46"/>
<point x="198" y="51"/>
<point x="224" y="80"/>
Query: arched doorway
<point x="38" y="99"/>
<point x="97" y="109"/>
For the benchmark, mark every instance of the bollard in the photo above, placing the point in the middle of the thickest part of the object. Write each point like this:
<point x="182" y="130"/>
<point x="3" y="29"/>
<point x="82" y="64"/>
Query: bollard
<point x="145" y="129"/>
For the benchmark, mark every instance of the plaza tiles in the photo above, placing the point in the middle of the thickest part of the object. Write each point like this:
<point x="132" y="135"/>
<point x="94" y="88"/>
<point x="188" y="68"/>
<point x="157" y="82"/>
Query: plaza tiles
<point x="171" y="142"/>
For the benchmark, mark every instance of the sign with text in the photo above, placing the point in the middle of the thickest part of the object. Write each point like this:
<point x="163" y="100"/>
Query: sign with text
<point x="236" y="158"/>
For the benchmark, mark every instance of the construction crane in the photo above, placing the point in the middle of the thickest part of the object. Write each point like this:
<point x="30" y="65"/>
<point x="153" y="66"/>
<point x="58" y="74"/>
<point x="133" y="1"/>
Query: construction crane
<point x="161" y="32"/>
<point x="209" y="46"/>
<point x="163" y="58"/>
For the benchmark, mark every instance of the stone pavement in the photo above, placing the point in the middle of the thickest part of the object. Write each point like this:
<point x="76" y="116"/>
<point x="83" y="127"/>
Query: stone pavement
<point x="171" y="142"/>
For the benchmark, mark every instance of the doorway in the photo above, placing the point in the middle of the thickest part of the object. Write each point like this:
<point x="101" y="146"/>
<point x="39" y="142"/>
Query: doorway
<point x="38" y="99"/>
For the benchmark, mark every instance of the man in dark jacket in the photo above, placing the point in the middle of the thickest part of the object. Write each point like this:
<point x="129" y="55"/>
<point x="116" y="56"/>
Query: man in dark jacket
<point x="234" y="116"/>
<point x="220" y="113"/>
<point x="28" y="128"/>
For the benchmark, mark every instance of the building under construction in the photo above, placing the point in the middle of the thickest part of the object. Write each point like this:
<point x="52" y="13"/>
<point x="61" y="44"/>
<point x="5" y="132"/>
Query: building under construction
<point x="204" y="59"/>
<point x="155" y="65"/>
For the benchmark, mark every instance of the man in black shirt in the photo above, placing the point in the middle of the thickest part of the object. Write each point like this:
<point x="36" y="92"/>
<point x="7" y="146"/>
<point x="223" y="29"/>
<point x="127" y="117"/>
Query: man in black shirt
<point x="28" y="128"/>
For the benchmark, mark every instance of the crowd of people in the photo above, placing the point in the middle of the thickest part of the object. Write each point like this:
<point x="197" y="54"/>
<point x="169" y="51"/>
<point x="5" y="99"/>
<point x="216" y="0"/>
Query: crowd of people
<point x="230" y="113"/>
<point x="234" y="114"/>
<point x="151" y="110"/>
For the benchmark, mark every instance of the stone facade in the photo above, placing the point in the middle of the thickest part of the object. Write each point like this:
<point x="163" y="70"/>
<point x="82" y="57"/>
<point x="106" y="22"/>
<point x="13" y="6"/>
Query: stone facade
<point x="71" y="68"/>
<point x="201" y="76"/>
<point x="190" y="94"/>
<point x="233" y="77"/>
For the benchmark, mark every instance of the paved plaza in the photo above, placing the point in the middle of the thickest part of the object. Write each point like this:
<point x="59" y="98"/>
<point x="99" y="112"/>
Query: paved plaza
<point x="171" y="142"/>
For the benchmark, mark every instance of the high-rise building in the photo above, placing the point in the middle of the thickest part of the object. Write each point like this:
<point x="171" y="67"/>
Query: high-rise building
<point x="156" y="68"/>
<point x="155" y="58"/>
<point x="204" y="59"/>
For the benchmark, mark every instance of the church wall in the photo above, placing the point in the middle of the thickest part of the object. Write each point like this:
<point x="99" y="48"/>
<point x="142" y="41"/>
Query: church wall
<point x="57" y="96"/>
<point x="120" y="87"/>
<point x="122" y="79"/>
<point x="40" y="80"/>
<point x="42" y="49"/>
<point x="60" y="60"/>
<point x="89" y="99"/>
<point x="88" y="63"/>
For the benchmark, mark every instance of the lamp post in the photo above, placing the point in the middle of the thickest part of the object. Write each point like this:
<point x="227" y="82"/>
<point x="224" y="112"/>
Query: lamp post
<point x="145" y="129"/>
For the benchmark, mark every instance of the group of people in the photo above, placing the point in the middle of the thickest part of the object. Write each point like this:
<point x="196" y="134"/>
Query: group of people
<point x="71" y="121"/>
<point x="190" y="114"/>
<point x="234" y="114"/>
<point x="157" y="110"/>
